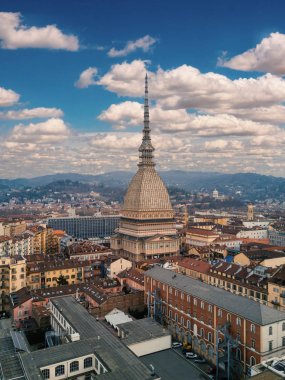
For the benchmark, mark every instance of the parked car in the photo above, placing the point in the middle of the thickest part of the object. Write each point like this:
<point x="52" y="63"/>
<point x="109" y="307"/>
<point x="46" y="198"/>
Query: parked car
<point x="199" y="360"/>
<point x="176" y="344"/>
<point x="191" y="355"/>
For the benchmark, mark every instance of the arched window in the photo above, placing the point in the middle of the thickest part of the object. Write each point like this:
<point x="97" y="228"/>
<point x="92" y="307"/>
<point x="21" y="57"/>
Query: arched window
<point x="59" y="370"/>
<point x="88" y="362"/>
<point x="74" y="366"/>
<point x="252" y="361"/>
<point x="210" y="337"/>
<point x="45" y="373"/>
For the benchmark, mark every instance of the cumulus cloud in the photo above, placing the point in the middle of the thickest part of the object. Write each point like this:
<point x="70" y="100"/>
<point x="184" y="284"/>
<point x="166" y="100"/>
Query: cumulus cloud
<point x="129" y="114"/>
<point x="144" y="43"/>
<point x="186" y="87"/>
<point x="15" y="35"/>
<point x="8" y="97"/>
<point x="86" y="78"/>
<point x="33" y="113"/>
<point x="268" y="56"/>
<point x="50" y="131"/>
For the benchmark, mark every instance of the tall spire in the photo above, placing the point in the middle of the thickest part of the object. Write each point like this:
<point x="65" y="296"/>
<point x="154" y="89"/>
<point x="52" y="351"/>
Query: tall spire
<point x="146" y="149"/>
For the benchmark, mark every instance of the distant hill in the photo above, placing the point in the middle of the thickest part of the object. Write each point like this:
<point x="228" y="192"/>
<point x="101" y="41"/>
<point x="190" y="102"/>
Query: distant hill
<point x="249" y="185"/>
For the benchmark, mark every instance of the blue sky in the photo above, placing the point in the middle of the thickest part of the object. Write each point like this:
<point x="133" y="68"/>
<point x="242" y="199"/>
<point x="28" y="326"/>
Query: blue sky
<point x="216" y="104"/>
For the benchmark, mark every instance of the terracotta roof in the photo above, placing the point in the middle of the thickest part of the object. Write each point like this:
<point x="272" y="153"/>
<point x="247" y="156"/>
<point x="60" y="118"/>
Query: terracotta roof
<point x="133" y="274"/>
<point x="5" y="238"/>
<point x="197" y="265"/>
<point x="21" y="296"/>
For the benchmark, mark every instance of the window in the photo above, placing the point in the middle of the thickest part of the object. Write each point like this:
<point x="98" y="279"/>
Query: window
<point x="270" y="330"/>
<point x="45" y="373"/>
<point x="59" y="370"/>
<point x="88" y="362"/>
<point x="188" y="298"/>
<point x="176" y="317"/>
<point x="74" y="366"/>
<point x="182" y="321"/>
<point x="202" y="305"/>
<point x="210" y="337"/>
<point x="238" y="354"/>
<point x="170" y="314"/>
<point x="188" y="325"/>
<point x="182" y="296"/>
<point x="252" y="328"/>
<point x="202" y="332"/>
<point x="283" y="326"/>
<point x="170" y="290"/>
<point x="238" y="321"/>
<point x="210" y="308"/>
<point x="252" y="361"/>
<point x="220" y="314"/>
<point x="228" y="317"/>
<point x="253" y="343"/>
<point x="270" y="345"/>
<point x="195" y="301"/>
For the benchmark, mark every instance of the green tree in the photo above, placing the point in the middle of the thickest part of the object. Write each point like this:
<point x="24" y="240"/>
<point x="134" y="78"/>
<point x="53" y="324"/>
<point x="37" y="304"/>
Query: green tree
<point x="61" y="280"/>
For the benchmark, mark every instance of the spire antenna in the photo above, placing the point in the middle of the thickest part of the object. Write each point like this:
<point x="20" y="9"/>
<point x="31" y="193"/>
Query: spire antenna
<point x="146" y="149"/>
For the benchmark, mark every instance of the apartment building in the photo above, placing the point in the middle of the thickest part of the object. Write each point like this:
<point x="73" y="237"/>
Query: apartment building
<point x="276" y="289"/>
<point x="248" y="282"/>
<point x="12" y="277"/>
<point x="6" y="243"/>
<point x="199" y="314"/>
<point x="46" y="274"/>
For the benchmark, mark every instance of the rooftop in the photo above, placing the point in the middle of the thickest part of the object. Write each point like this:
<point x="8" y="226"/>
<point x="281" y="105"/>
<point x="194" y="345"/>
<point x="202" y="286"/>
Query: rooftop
<point x="142" y="330"/>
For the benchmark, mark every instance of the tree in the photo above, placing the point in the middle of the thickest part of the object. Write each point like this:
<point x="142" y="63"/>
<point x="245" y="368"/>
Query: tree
<point x="61" y="280"/>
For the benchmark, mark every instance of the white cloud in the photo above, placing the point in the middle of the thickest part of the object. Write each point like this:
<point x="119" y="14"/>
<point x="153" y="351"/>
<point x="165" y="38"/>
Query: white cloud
<point x="186" y="87"/>
<point x="33" y="113"/>
<point x="129" y="114"/>
<point x="8" y="97"/>
<point x="268" y="56"/>
<point x="15" y="35"/>
<point x="86" y="78"/>
<point x="48" y="132"/>
<point x="144" y="43"/>
<point x="223" y="145"/>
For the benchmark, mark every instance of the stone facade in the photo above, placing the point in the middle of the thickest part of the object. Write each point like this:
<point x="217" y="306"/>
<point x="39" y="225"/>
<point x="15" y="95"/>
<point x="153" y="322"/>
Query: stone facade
<point x="147" y="227"/>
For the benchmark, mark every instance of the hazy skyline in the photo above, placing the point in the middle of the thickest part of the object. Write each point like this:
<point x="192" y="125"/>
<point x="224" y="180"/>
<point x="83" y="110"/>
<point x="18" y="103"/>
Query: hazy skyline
<point x="72" y="83"/>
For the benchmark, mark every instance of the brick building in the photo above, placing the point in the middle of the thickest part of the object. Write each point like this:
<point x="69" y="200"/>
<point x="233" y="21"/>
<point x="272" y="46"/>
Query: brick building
<point x="195" y="311"/>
